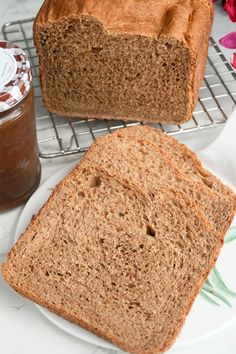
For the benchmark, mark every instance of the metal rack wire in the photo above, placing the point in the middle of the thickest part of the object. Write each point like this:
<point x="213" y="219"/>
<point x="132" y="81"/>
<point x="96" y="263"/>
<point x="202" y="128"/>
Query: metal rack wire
<point x="60" y="136"/>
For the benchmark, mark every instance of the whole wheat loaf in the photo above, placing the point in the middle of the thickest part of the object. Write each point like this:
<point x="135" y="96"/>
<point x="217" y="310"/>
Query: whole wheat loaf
<point x="130" y="60"/>
<point x="120" y="262"/>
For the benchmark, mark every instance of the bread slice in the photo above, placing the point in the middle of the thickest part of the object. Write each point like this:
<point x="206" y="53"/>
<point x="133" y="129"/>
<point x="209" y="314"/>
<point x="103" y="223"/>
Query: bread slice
<point x="186" y="160"/>
<point x="118" y="261"/>
<point x="130" y="60"/>
<point x="149" y="165"/>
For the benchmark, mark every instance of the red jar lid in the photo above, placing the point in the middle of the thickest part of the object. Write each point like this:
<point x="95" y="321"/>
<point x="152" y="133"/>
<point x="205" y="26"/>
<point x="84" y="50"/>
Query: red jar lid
<point x="15" y="75"/>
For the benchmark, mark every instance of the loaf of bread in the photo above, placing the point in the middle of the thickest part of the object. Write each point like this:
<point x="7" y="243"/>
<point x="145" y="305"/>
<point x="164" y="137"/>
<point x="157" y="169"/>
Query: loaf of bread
<point x="119" y="59"/>
<point x="126" y="240"/>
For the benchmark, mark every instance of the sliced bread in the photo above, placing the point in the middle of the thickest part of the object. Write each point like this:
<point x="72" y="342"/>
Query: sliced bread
<point x="118" y="261"/>
<point x="149" y="165"/>
<point x="186" y="160"/>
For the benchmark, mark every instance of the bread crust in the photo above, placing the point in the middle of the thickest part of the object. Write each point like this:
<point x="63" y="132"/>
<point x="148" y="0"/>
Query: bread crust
<point x="174" y="18"/>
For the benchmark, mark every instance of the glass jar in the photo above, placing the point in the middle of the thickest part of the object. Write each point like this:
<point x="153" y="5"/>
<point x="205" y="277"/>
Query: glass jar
<point x="20" y="168"/>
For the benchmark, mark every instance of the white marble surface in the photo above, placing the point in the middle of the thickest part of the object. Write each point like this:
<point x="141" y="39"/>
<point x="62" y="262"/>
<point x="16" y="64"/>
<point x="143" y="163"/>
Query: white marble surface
<point x="23" y="330"/>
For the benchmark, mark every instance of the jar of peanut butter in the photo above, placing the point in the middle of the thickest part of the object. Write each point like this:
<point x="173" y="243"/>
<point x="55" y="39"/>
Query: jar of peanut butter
<point x="20" y="169"/>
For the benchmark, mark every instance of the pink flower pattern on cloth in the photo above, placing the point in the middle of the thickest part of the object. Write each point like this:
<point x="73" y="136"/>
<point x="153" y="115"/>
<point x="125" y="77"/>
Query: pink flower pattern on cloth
<point x="229" y="41"/>
<point x="230" y="7"/>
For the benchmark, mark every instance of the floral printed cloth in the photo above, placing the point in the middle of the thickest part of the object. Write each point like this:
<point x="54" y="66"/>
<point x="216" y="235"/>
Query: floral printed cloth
<point x="229" y="41"/>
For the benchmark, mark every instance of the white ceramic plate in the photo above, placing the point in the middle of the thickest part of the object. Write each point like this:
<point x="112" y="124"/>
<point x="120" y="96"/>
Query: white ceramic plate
<point x="205" y="319"/>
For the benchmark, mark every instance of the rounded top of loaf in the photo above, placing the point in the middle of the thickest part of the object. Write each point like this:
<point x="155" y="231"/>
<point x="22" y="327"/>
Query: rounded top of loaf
<point x="151" y="18"/>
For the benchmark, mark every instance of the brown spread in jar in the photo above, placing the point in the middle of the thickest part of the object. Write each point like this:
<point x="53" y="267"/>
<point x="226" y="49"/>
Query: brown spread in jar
<point x="19" y="158"/>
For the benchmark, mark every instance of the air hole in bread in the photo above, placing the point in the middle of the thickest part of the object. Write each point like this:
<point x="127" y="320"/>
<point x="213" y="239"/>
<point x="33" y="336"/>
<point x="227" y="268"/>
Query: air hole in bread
<point x="180" y="244"/>
<point x="150" y="231"/>
<point x="189" y="236"/>
<point x="143" y="152"/>
<point x="207" y="182"/>
<point x="168" y="45"/>
<point x="152" y="196"/>
<point x="95" y="182"/>
<point x="70" y="28"/>
<point x="81" y="194"/>
<point x="96" y="50"/>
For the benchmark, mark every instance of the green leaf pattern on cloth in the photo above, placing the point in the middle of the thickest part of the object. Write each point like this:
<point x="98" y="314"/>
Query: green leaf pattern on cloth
<point x="214" y="288"/>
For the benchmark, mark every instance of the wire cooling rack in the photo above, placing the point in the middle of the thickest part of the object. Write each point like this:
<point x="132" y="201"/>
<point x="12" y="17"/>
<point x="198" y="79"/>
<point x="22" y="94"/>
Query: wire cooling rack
<point x="60" y="136"/>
